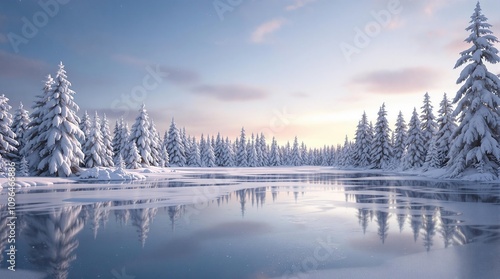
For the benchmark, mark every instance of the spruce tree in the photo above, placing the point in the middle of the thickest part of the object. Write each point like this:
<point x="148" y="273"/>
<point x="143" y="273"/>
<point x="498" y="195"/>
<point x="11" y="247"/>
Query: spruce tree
<point x="241" y="154"/>
<point x="415" y="154"/>
<point x="8" y="143"/>
<point x="400" y="135"/>
<point x="382" y="152"/>
<point x="446" y="128"/>
<point x="34" y="143"/>
<point x="362" y="143"/>
<point x="94" y="147"/>
<point x="476" y="140"/>
<point x="117" y="140"/>
<point x="194" y="159"/>
<point x="140" y="133"/>
<point x="62" y="154"/>
<point x="20" y="125"/>
<point x="107" y="156"/>
<point x="175" y="147"/>
<point x="428" y="122"/>
<point x="295" y="159"/>
<point x="274" y="156"/>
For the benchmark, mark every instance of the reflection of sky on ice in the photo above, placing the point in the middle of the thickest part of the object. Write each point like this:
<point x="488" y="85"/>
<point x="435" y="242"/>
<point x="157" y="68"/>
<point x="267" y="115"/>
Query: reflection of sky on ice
<point x="267" y="225"/>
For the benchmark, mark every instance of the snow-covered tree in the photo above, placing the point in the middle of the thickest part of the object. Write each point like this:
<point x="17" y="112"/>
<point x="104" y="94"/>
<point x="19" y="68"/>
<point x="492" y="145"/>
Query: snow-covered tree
<point x="164" y="157"/>
<point x="34" y="143"/>
<point x="156" y="145"/>
<point x="431" y="158"/>
<point x="62" y="154"/>
<point x="94" y="147"/>
<point x="446" y="128"/>
<point x="381" y="148"/>
<point x="476" y="140"/>
<point x="274" y="156"/>
<point x="241" y="153"/>
<point x="140" y="133"/>
<point x="107" y="156"/>
<point x="207" y="155"/>
<point x="227" y="155"/>
<point x="117" y="141"/>
<point x="415" y="154"/>
<point x="252" y="153"/>
<point x="399" y="146"/>
<point x="295" y="158"/>
<point x="219" y="147"/>
<point x="362" y="143"/>
<point x="427" y="122"/>
<point x="85" y="124"/>
<point x="175" y="148"/>
<point x="23" y="168"/>
<point x="194" y="159"/>
<point x="20" y="125"/>
<point x="8" y="142"/>
<point x="132" y="157"/>
<point x="264" y="150"/>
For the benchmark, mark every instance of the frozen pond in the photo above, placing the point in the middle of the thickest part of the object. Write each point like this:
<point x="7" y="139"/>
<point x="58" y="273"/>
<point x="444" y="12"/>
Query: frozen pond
<point x="257" y="223"/>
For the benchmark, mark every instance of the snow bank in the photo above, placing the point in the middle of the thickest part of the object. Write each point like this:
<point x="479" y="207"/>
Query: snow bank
<point x="109" y="174"/>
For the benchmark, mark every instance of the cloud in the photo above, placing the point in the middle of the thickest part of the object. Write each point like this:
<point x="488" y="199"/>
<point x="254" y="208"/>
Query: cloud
<point x="407" y="80"/>
<point x="176" y="75"/>
<point x="16" y="66"/>
<point x="266" y="29"/>
<point x="231" y="93"/>
<point x="299" y="94"/>
<point x="298" y="4"/>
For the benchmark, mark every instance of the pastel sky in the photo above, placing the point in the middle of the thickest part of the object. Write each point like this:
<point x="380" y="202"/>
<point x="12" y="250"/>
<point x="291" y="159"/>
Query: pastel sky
<point x="281" y="67"/>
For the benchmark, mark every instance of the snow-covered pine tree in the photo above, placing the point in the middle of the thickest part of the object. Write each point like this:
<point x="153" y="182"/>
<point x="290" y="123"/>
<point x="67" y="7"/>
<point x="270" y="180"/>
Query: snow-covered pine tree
<point x="20" y="125"/>
<point x="116" y="144"/>
<point x="446" y="128"/>
<point x="476" y="140"/>
<point x="194" y="159"/>
<point x="274" y="156"/>
<point x="382" y="153"/>
<point x="85" y="124"/>
<point x="140" y="133"/>
<point x="241" y="153"/>
<point x="164" y="157"/>
<point x="295" y="158"/>
<point x="264" y="150"/>
<point x="252" y="153"/>
<point x="219" y="148"/>
<point x="432" y="159"/>
<point x="107" y="156"/>
<point x="23" y="168"/>
<point x="94" y="147"/>
<point x="202" y="147"/>
<point x="175" y="148"/>
<point x="286" y="156"/>
<point x="428" y="122"/>
<point x="34" y="143"/>
<point x="207" y="156"/>
<point x="8" y="143"/>
<point x="124" y="143"/>
<point x="133" y="158"/>
<point x="258" y="151"/>
<point x="62" y="154"/>
<point x="400" y="135"/>
<point x="185" y="142"/>
<point x="415" y="154"/>
<point x="156" y="145"/>
<point x="227" y="154"/>
<point x="362" y="143"/>
<point x="304" y="154"/>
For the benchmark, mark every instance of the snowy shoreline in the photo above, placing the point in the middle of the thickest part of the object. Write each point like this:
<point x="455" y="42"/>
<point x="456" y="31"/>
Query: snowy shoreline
<point x="117" y="175"/>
